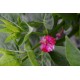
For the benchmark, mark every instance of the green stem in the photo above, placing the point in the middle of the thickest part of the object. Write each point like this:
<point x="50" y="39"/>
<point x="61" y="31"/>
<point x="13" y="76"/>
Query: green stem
<point x="24" y="58"/>
<point x="36" y="46"/>
<point x="16" y="45"/>
<point x="38" y="33"/>
<point x="17" y="51"/>
<point x="42" y="58"/>
<point x="31" y="54"/>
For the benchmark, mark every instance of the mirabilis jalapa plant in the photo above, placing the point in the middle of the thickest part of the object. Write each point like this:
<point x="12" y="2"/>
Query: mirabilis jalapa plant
<point x="47" y="50"/>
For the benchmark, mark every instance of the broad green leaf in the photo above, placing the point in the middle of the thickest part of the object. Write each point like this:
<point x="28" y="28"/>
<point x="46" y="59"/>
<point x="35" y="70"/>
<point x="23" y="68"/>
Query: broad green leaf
<point x="72" y="53"/>
<point x="59" y="56"/>
<point x="10" y="25"/>
<point x="8" y="59"/>
<point x="48" y="21"/>
<point x="45" y="59"/>
<point x="39" y="19"/>
<point x="31" y="55"/>
<point x="10" y="16"/>
<point x="26" y="63"/>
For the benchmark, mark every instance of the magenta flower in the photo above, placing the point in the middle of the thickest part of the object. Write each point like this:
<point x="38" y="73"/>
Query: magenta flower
<point x="47" y="43"/>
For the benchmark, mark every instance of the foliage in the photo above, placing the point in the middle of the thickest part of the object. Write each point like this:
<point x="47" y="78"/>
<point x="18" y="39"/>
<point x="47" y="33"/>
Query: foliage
<point x="20" y="39"/>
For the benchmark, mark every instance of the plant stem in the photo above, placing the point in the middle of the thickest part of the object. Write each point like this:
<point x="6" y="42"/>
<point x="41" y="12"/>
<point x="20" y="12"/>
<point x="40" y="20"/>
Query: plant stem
<point x="36" y="46"/>
<point x="42" y="58"/>
<point x="17" y="51"/>
<point x="16" y="44"/>
<point x="24" y="58"/>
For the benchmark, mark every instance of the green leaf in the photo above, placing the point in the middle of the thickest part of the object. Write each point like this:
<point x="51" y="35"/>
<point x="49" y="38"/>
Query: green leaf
<point x="38" y="19"/>
<point x="35" y="24"/>
<point x="31" y="55"/>
<point x="21" y="40"/>
<point x="26" y="63"/>
<point x="45" y="59"/>
<point x="11" y="45"/>
<point x="10" y="16"/>
<point x="4" y="51"/>
<point x="9" y="25"/>
<point x="5" y="30"/>
<point x="48" y="21"/>
<point x="7" y="59"/>
<point x="72" y="53"/>
<point x="68" y="16"/>
<point x="59" y="56"/>
<point x="23" y="26"/>
<point x="55" y="30"/>
<point x="11" y="37"/>
<point x="19" y="20"/>
<point x="28" y="34"/>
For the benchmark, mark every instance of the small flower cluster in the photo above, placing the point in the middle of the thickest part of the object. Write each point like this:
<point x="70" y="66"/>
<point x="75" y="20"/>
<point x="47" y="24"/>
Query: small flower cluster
<point x="47" y="43"/>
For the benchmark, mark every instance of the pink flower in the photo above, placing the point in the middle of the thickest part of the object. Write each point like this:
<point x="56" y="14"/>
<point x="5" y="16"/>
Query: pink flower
<point x="47" y="43"/>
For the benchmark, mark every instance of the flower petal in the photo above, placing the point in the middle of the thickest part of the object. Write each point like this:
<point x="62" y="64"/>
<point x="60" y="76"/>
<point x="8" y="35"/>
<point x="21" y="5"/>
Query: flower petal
<point x="47" y="43"/>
